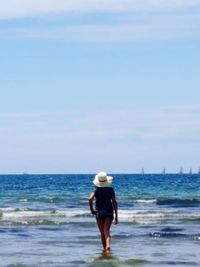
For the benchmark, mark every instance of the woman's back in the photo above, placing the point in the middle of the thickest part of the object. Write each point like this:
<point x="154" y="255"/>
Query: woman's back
<point x="103" y="198"/>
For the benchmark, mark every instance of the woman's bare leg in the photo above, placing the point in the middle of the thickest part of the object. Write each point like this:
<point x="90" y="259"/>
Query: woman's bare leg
<point x="100" y="224"/>
<point x="106" y="230"/>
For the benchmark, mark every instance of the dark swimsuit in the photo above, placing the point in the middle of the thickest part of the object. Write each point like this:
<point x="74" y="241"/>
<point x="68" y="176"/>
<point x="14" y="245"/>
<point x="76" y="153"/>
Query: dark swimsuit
<point x="104" y="206"/>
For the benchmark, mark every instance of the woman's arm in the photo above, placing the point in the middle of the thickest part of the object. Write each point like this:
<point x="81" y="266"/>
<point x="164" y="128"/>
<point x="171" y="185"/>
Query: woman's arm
<point x="115" y="207"/>
<point x="91" y="199"/>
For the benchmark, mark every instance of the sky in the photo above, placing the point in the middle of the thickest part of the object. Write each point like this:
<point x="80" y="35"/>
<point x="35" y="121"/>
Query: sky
<point x="110" y="85"/>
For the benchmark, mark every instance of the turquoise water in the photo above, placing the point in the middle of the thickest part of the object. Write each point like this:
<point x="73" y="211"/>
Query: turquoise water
<point x="45" y="221"/>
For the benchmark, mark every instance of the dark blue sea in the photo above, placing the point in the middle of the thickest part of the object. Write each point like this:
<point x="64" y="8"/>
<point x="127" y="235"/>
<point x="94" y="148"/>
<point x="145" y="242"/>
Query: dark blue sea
<point x="45" y="221"/>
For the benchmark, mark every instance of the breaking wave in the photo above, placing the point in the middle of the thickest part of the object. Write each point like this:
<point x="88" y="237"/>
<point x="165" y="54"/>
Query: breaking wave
<point x="137" y="216"/>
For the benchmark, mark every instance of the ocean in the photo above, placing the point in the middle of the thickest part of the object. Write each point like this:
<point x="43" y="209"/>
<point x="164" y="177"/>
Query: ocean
<point x="45" y="221"/>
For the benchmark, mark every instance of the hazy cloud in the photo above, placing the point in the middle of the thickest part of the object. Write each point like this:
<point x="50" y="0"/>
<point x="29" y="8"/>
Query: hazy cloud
<point x="148" y="28"/>
<point x="156" y="124"/>
<point x="129" y="20"/>
<point x="117" y="137"/>
<point x="27" y="8"/>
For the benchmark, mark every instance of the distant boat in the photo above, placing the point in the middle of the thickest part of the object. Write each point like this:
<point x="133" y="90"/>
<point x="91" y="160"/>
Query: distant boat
<point x="181" y="171"/>
<point x="199" y="171"/>
<point x="25" y="174"/>
<point x="142" y="171"/>
<point x="163" y="172"/>
<point x="190" y="171"/>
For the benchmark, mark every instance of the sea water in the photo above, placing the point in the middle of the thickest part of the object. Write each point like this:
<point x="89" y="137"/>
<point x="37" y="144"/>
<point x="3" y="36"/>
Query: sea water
<point x="45" y="221"/>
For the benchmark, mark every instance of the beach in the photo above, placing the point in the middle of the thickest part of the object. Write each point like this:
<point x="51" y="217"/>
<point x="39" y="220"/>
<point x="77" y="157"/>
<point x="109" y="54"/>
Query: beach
<point x="45" y="221"/>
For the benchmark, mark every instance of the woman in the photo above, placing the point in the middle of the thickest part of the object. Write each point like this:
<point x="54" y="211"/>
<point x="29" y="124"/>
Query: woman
<point x="105" y="206"/>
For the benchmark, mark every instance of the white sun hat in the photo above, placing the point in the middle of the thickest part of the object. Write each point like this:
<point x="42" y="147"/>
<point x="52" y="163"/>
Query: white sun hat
<point x="102" y="180"/>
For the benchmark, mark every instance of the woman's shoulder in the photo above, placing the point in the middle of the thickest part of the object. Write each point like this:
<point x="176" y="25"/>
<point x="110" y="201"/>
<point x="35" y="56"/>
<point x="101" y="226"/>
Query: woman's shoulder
<point x="106" y="188"/>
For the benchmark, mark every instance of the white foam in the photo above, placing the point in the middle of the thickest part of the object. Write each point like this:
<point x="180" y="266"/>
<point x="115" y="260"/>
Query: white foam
<point x="146" y="201"/>
<point x="9" y="213"/>
<point x="139" y="216"/>
<point x="154" y="216"/>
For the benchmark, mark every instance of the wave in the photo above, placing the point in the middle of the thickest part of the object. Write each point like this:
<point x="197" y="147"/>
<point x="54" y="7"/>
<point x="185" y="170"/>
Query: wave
<point x="66" y="216"/>
<point x="60" y="198"/>
<point x="142" y="201"/>
<point x="157" y="216"/>
<point x="160" y="201"/>
<point x="145" y="201"/>
<point x="176" y="235"/>
<point x="16" y="216"/>
<point x="8" y="213"/>
<point x="179" y="202"/>
<point x="169" y="235"/>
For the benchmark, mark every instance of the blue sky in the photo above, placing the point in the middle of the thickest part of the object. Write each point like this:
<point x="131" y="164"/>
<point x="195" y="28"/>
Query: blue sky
<point x="99" y="85"/>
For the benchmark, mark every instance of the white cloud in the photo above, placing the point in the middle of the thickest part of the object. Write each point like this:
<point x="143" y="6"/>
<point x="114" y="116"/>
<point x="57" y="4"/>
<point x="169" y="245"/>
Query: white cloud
<point x="148" y="28"/>
<point x="29" y="8"/>
<point x="142" y="20"/>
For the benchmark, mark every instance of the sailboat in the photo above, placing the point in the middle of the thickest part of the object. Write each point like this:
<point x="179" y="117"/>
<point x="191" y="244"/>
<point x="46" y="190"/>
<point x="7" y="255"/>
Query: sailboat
<point x="181" y="171"/>
<point x="190" y="172"/>
<point x="163" y="172"/>
<point x="142" y="171"/>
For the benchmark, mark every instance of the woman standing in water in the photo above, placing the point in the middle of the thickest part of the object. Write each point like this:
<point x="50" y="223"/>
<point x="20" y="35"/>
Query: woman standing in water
<point x="105" y="207"/>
